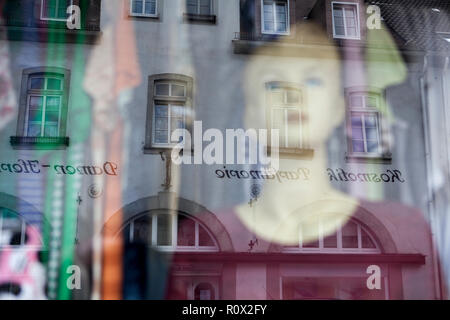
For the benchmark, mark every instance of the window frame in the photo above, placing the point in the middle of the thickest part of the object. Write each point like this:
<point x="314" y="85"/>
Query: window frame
<point x="384" y="154"/>
<point x="303" y="149"/>
<point x="211" y="9"/>
<point x="174" y="247"/>
<point x="153" y="15"/>
<point x="358" y="23"/>
<point x="21" y="140"/>
<point x="288" y="24"/>
<point x="150" y="145"/>
<point x="44" y="93"/>
<point x="53" y="19"/>
<point x="339" y="249"/>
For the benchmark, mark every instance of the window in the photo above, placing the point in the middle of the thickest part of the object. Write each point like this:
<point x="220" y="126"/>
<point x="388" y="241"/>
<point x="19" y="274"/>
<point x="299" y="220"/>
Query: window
<point x="200" y="7"/>
<point x="55" y="10"/>
<point x="145" y="8"/>
<point x="170" y="108"/>
<point x="45" y="93"/>
<point x="275" y="16"/>
<point x="285" y="103"/>
<point x="349" y="238"/>
<point x="170" y="232"/>
<point x="345" y="20"/>
<point x="12" y="229"/>
<point x="365" y="133"/>
<point x="43" y="108"/>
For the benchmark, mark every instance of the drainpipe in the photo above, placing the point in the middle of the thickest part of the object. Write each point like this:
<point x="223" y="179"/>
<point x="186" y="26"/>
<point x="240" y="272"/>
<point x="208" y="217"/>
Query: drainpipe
<point x="430" y="187"/>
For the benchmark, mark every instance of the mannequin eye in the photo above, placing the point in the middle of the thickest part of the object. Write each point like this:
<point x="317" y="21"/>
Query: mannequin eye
<point x="314" y="82"/>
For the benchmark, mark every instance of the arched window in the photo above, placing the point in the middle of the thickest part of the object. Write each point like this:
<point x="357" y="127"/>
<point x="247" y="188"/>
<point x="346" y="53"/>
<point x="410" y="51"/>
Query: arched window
<point x="12" y="229"/>
<point x="204" y="291"/>
<point x="351" y="237"/>
<point x="170" y="232"/>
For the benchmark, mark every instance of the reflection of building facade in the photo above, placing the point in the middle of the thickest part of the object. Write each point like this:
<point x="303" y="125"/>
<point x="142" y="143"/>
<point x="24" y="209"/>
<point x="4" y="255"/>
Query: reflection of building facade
<point x="193" y="59"/>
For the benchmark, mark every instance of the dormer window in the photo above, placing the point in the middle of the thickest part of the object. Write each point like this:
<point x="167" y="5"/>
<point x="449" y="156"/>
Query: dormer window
<point x="345" y="20"/>
<point x="275" y="16"/>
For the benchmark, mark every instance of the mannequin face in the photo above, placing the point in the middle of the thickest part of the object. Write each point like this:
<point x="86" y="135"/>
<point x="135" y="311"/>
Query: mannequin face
<point x="309" y="82"/>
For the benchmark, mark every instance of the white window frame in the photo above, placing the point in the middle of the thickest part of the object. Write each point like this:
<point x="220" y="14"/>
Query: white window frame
<point x="53" y="19"/>
<point x="174" y="232"/>
<point x="339" y="248"/>
<point x="358" y="26"/>
<point x="288" y="24"/>
<point x="170" y="101"/>
<point x="211" y="9"/>
<point x="283" y="88"/>
<point x="153" y="15"/>
<point x="44" y="93"/>
<point x="365" y="110"/>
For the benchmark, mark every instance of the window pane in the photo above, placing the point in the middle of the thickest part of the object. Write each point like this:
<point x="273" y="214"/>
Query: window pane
<point x="330" y="241"/>
<point x="52" y="116"/>
<point x="35" y="115"/>
<point x="164" y="234"/>
<point x="372" y="146"/>
<point x="161" y="124"/>
<point x="372" y="134"/>
<point x="339" y="31"/>
<point x="162" y="89"/>
<point x="37" y="83"/>
<point x="150" y="7"/>
<point x="356" y="101"/>
<point x="268" y="17"/>
<point x="370" y="121"/>
<point x="204" y="240"/>
<point x="161" y="136"/>
<point x="161" y="111"/>
<point x="186" y="231"/>
<point x="177" y="90"/>
<point x="191" y="6"/>
<point x="53" y="103"/>
<point x="356" y="121"/>
<point x="142" y="231"/>
<point x="357" y="133"/>
<point x="54" y="84"/>
<point x="350" y="235"/>
<point x="281" y="17"/>
<point x="34" y="129"/>
<point x="205" y="7"/>
<point x="358" y="145"/>
<point x="371" y="102"/>
<point x="51" y="129"/>
<point x="176" y="123"/>
<point x="366" y="242"/>
<point x="36" y="102"/>
<point x="62" y="9"/>
<point x="49" y="10"/>
<point x="137" y="6"/>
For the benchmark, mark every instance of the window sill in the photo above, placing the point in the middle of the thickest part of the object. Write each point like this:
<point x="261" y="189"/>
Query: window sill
<point x="40" y="143"/>
<point x="293" y="153"/>
<point x="362" y="158"/>
<point x="49" y="34"/>
<point x="144" y="16"/>
<point x="204" y="18"/>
